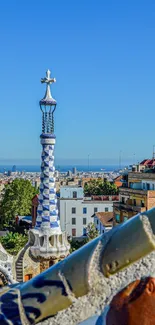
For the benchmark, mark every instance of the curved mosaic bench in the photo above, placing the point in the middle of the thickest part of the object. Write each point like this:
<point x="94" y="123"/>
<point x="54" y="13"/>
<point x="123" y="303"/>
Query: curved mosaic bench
<point x="88" y="271"/>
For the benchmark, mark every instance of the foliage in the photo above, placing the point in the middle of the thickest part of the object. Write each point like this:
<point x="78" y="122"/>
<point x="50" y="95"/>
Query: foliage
<point x="100" y="187"/>
<point x="17" y="200"/>
<point x="76" y="244"/>
<point x="13" y="242"/>
<point x="91" y="234"/>
<point x="91" y="231"/>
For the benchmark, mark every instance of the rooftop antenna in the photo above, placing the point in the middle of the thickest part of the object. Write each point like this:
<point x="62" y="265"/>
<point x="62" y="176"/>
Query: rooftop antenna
<point x="88" y="162"/>
<point x="153" y="152"/>
<point x="134" y="159"/>
<point x="120" y="159"/>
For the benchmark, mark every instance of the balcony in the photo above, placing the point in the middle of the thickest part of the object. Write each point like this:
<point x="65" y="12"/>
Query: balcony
<point x="128" y="207"/>
<point x="126" y="191"/>
<point x="141" y="176"/>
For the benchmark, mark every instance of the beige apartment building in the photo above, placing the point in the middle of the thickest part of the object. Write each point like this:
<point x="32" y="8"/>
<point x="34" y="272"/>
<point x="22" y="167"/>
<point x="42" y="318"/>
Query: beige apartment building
<point x="137" y="196"/>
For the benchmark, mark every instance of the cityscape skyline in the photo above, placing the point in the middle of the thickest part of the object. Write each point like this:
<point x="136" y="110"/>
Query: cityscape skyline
<point x="105" y="78"/>
<point x="75" y="162"/>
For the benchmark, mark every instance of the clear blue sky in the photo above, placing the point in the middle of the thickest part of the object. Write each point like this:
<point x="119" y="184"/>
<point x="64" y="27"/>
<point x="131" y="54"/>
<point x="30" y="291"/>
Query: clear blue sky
<point x="102" y="54"/>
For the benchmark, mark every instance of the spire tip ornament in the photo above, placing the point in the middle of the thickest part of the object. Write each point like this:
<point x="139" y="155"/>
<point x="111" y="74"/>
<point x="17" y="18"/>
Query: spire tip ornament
<point x="48" y="105"/>
<point x="48" y="79"/>
<point x="48" y="100"/>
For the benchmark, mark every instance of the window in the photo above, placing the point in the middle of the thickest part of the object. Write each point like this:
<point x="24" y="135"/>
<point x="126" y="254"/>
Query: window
<point x="142" y="204"/>
<point x="153" y="187"/>
<point x="73" y="210"/>
<point x="97" y="221"/>
<point x="123" y="200"/>
<point x="148" y="186"/>
<point x="143" y="186"/>
<point x="134" y="202"/>
<point x="84" y="221"/>
<point x="27" y="277"/>
<point x="74" y="195"/>
<point x="73" y="232"/>
<point x="73" y="221"/>
<point x="95" y="210"/>
<point x="84" y="210"/>
<point x="117" y="217"/>
<point x="106" y="209"/>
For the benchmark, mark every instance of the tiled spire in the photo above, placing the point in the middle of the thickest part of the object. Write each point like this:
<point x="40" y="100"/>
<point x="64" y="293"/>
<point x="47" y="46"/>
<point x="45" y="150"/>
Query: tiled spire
<point x="47" y="240"/>
<point x="47" y="213"/>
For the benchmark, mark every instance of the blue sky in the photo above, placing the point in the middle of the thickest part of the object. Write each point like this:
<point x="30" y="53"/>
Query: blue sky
<point x="102" y="54"/>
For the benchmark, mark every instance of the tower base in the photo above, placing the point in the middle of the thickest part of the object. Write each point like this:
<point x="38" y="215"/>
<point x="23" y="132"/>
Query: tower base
<point x="46" y="245"/>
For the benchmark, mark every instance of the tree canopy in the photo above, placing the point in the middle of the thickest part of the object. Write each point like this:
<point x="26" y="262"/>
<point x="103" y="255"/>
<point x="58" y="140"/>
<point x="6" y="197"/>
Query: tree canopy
<point x="91" y="231"/>
<point x="100" y="187"/>
<point x="14" y="242"/>
<point x="17" y="200"/>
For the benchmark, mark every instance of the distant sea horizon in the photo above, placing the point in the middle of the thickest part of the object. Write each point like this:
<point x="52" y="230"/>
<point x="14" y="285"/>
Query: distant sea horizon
<point x="62" y="168"/>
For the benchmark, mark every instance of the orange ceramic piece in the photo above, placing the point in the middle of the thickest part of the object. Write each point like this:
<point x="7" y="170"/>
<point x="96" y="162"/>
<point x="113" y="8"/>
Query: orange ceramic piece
<point x="134" y="305"/>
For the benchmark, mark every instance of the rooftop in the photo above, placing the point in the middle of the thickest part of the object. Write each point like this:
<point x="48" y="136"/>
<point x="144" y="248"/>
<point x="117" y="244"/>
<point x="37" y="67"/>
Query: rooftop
<point x="106" y="218"/>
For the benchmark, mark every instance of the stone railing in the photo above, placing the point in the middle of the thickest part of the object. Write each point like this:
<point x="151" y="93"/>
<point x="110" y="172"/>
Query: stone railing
<point x="105" y="197"/>
<point x="140" y="176"/>
<point x="127" y="190"/>
<point x="128" y="207"/>
<point x="86" y="280"/>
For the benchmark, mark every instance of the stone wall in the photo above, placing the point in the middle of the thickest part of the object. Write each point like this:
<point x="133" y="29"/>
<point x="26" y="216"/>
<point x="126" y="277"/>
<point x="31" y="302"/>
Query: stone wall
<point x="44" y="265"/>
<point x="151" y="200"/>
<point x="30" y="265"/>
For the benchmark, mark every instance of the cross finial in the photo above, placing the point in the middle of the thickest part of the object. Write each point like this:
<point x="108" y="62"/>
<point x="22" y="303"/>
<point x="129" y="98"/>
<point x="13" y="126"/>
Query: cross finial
<point x="48" y="100"/>
<point x="48" y="80"/>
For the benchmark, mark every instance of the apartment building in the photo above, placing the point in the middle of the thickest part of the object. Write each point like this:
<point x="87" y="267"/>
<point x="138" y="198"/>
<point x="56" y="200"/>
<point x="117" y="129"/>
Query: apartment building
<point x="103" y="221"/>
<point x="76" y="211"/>
<point x="138" y="196"/>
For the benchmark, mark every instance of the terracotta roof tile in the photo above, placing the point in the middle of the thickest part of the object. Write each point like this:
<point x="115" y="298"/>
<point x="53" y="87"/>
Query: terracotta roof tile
<point x="145" y="162"/>
<point x="106" y="218"/>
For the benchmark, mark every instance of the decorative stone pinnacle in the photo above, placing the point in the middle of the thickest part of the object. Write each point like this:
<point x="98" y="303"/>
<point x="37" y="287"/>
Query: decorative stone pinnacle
<point x="48" y="79"/>
<point x="48" y="100"/>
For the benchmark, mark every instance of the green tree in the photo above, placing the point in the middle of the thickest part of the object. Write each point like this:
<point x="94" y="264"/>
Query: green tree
<point x="13" y="242"/>
<point x="17" y="200"/>
<point x="76" y="244"/>
<point x="91" y="234"/>
<point x="100" y="187"/>
<point x="91" y="231"/>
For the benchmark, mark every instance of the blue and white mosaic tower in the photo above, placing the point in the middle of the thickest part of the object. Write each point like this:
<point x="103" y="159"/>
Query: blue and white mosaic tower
<point x="47" y="238"/>
<point x="47" y="213"/>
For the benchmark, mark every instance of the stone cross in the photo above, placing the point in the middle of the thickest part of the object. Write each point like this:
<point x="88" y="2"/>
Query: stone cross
<point x="48" y="80"/>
